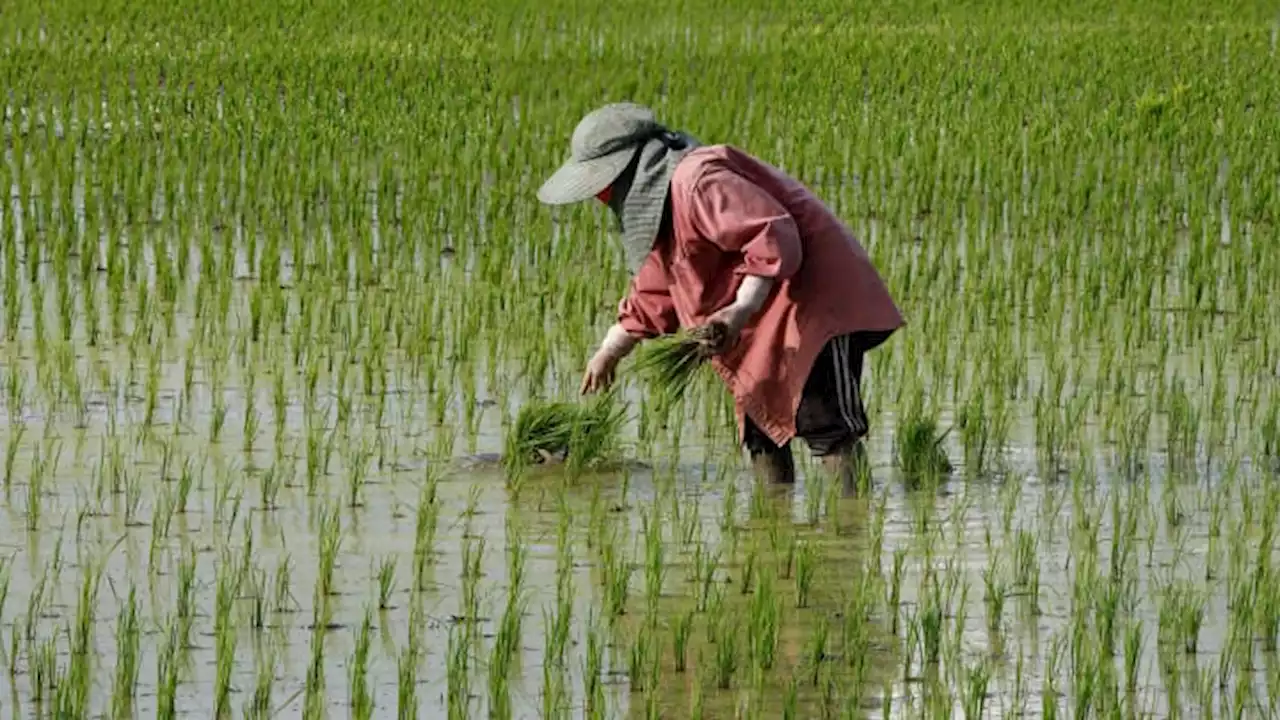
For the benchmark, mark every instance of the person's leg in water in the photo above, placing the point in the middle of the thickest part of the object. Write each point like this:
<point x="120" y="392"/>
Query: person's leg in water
<point x="772" y="464"/>
<point x="832" y="419"/>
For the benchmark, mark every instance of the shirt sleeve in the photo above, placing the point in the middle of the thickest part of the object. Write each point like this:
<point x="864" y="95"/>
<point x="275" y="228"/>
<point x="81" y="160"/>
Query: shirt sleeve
<point x="648" y="310"/>
<point x="738" y="216"/>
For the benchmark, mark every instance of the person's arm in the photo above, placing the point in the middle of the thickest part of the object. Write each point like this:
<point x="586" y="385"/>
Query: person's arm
<point x="738" y="216"/>
<point x="646" y="312"/>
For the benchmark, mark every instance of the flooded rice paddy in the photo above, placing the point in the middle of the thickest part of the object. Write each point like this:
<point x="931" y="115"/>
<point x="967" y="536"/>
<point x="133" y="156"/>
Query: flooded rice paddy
<point x="273" y="290"/>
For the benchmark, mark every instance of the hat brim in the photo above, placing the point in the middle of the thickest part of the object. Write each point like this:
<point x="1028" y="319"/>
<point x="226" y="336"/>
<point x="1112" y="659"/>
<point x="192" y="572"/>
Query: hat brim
<point x="578" y="180"/>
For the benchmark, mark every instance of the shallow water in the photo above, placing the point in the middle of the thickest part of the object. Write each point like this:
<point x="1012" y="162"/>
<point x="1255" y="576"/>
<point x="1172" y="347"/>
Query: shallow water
<point x="100" y="477"/>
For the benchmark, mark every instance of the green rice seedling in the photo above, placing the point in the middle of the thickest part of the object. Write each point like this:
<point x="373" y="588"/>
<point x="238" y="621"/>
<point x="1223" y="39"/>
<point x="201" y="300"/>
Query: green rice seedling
<point x="282" y="592"/>
<point x="186" y="479"/>
<point x="269" y="483"/>
<point x="705" y="570"/>
<point x="696" y="699"/>
<point x="977" y="679"/>
<point x="791" y="698"/>
<point x="655" y="568"/>
<point x="593" y="669"/>
<point x="11" y="451"/>
<point x="996" y="593"/>
<point x="314" y="694"/>
<point x="357" y="477"/>
<point x="6" y="575"/>
<point x="748" y="570"/>
<point x="15" y="649"/>
<point x="386" y="582"/>
<point x="258" y="598"/>
<point x="428" y="518"/>
<point x="1181" y="614"/>
<point x="407" y="673"/>
<point x="816" y="649"/>
<point x="329" y="546"/>
<point x="228" y="591"/>
<point x="895" y="588"/>
<point x="362" y="705"/>
<point x="784" y="547"/>
<point x="472" y="557"/>
<point x="813" y="496"/>
<point x="930" y="619"/>
<point x="806" y="569"/>
<point x="168" y="671"/>
<point x="680" y="632"/>
<point x="918" y="444"/>
<point x="583" y="434"/>
<point x="669" y="365"/>
<point x="726" y="658"/>
<point x="458" y="672"/>
<point x="504" y="654"/>
<point x="35" y="501"/>
<point x="555" y="638"/>
<point x="641" y="649"/>
<point x="617" y="576"/>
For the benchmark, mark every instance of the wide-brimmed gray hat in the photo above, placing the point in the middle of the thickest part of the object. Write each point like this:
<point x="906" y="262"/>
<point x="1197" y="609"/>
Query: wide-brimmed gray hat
<point x="621" y="144"/>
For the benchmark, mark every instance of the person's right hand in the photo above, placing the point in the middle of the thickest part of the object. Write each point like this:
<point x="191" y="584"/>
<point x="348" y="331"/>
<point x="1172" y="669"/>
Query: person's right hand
<point x="600" y="372"/>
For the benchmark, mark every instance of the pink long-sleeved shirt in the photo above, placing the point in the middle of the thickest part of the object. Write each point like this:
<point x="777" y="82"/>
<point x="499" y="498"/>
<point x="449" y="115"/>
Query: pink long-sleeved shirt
<point x="734" y="215"/>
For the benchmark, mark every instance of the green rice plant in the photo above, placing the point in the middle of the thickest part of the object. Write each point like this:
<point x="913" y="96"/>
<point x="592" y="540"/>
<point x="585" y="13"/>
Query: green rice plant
<point x="583" y="434"/>
<point x="593" y="669"/>
<point x="655" y="568"/>
<point x="282" y="592"/>
<point x="1181" y="614"/>
<point x="815" y="653"/>
<point x="920" y="454"/>
<point x="225" y="632"/>
<point x="930" y="622"/>
<point x="554" y="684"/>
<point x="407" y="672"/>
<point x="124" y="691"/>
<point x="458" y="671"/>
<point x="617" y="575"/>
<point x="505" y="650"/>
<point x="11" y="449"/>
<point x="428" y="518"/>
<point x="386" y="582"/>
<point x="895" y="588"/>
<point x="705" y="564"/>
<point x="472" y="557"/>
<point x="330" y="544"/>
<point x="362" y="705"/>
<point x="6" y="575"/>
<point x="168" y="670"/>
<point x="680" y="632"/>
<point x="696" y="699"/>
<point x="996" y="593"/>
<point x="806" y="569"/>
<point x="641" y="650"/>
<point x="790" y="698"/>
<point x="314" y="695"/>
<point x="726" y="656"/>
<point x="671" y="365"/>
<point x="749" y="570"/>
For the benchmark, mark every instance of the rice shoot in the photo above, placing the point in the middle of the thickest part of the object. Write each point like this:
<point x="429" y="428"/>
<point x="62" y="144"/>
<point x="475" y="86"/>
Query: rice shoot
<point x="581" y="434"/>
<point x="671" y="364"/>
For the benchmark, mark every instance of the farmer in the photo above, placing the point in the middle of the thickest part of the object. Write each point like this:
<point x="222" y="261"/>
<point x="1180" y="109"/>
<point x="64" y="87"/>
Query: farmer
<point x="716" y="238"/>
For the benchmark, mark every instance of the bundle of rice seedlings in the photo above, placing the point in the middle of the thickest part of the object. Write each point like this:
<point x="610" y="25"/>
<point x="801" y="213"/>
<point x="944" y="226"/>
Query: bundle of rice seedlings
<point x="919" y="445"/>
<point x="580" y="434"/>
<point x="670" y="364"/>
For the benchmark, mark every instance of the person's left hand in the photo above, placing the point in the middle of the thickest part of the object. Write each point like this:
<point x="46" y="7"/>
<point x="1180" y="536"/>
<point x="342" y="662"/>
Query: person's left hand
<point x="727" y="324"/>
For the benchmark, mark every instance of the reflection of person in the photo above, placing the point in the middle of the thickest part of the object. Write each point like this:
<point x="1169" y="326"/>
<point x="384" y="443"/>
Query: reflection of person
<point x="716" y="237"/>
